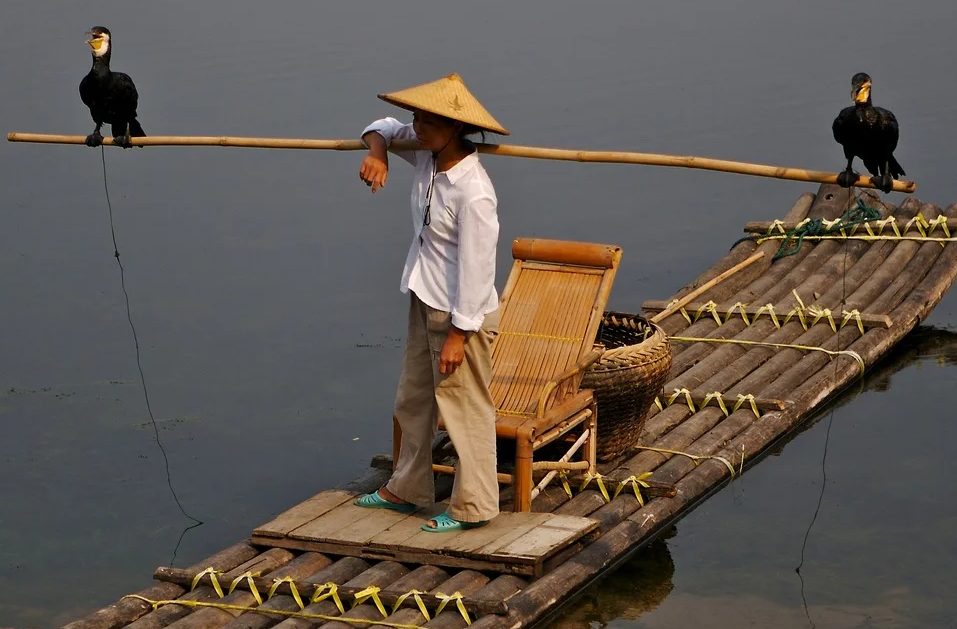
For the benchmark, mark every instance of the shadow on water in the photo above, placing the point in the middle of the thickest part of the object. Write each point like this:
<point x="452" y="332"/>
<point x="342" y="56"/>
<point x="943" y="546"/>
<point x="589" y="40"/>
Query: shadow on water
<point x="642" y="584"/>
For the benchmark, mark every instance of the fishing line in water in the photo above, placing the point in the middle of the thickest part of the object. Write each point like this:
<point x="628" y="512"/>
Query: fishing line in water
<point x="827" y="433"/>
<point x="136" y="344"/>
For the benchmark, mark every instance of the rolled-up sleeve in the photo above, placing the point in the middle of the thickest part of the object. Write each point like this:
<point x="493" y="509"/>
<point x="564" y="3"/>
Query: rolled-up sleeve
<point x="391" y="129"/>
<point x="478" y="238"/>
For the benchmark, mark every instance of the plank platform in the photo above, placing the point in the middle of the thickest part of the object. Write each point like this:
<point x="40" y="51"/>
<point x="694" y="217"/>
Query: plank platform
<point x="512" y="543"/>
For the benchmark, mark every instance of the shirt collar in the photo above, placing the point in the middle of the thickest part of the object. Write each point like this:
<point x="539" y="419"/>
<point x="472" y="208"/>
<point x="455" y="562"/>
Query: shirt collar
<point x="463" y="167"/>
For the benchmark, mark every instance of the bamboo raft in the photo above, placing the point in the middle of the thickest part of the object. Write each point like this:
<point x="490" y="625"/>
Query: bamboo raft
<point x="837" y="306"/>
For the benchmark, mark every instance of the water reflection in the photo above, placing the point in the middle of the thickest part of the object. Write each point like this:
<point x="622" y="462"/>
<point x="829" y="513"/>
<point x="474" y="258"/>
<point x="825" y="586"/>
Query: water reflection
<point x="644" y="583"/>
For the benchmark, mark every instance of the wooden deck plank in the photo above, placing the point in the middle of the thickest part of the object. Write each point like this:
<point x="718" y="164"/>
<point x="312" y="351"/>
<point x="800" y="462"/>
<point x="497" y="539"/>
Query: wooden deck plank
<point x="511" y="535"/>
<point x="337" y="524"/>
<point x="399" y="533"/>
<point x="495" y="530"/>
<point x="304" y="512"/>
<point x="547" y="539"/>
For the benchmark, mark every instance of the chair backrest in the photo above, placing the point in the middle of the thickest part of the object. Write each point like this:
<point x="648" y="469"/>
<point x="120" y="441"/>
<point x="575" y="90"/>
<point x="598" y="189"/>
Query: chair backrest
<point x="551" y="308"/>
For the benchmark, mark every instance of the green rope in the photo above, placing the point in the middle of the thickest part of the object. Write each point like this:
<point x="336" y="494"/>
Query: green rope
<point x="794" y="238"/>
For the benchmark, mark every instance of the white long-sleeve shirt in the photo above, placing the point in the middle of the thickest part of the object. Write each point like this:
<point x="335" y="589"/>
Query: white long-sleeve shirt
<point x="451" y="262"/>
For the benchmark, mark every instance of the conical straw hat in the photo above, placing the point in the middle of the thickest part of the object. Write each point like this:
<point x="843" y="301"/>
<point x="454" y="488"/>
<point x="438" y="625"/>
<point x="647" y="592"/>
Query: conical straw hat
<point x="446" y="97"/>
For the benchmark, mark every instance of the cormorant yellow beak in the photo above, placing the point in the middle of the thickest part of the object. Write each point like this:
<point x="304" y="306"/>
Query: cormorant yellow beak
<point x="95" y="41"/>
<point x="863" y="94"/>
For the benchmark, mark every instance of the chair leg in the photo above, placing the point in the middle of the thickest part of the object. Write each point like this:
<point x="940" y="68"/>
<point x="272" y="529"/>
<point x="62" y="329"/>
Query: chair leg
<point x="396" y="442"/>
<point x="590" y="451"/>
<point x="523" y="473"/>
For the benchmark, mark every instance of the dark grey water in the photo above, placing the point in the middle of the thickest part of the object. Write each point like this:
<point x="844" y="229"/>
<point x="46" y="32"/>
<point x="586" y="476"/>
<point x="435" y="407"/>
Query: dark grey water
<point x="264" y="283"/>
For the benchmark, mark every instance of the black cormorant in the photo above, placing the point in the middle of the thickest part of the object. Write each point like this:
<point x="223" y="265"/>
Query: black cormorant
<point x="870" y="133"/>
<point x="111" y="96"/>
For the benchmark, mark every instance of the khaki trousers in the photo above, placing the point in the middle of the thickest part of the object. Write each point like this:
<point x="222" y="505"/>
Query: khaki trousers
<point x="463" y="401"/>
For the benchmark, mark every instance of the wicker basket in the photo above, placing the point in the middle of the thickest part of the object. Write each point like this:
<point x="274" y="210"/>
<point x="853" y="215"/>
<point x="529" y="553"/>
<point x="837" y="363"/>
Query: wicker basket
<point x="626" y="379"/>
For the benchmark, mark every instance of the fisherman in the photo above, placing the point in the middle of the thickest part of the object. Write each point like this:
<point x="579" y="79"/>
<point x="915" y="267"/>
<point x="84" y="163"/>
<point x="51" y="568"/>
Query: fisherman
<point x="453" y="305"/>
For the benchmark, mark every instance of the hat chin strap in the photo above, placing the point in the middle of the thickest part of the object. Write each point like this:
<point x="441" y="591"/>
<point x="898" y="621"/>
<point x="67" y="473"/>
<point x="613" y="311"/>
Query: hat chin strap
<point x="435" y="154"/>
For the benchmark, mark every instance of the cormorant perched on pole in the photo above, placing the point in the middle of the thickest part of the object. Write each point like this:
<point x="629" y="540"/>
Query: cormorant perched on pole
<point x="111" y="96"/>
<point x="870" y="133"/>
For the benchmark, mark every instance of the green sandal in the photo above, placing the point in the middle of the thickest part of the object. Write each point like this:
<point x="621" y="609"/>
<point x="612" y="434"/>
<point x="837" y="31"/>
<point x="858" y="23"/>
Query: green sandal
<point x="375" y="501"/>
<point x="444" y="523"/>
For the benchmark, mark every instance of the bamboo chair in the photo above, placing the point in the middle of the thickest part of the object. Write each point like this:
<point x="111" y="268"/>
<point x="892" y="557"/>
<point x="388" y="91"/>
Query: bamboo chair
<point x="550" y="312"/>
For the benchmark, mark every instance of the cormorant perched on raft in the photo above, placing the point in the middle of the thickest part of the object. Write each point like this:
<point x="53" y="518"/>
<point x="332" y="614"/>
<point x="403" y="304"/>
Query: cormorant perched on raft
<point x="870" y="133"/>
<point x="111" y="96"/>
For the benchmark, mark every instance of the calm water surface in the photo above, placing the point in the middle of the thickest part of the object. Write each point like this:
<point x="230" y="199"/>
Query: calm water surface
<point x="263" y="284"/>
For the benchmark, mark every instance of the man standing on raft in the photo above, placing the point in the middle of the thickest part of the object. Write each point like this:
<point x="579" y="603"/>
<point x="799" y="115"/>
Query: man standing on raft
<point x="453" y="314"/>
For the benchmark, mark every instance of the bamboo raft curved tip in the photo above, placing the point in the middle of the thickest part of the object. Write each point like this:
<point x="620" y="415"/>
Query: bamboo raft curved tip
<point x="509" y="150"/>
<point x="893" y="283"/>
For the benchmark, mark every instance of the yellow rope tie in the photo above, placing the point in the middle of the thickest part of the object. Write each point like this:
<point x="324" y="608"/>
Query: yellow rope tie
<point x="747" y="398"/>
<point x="717" y="397"/>
<point x="213" y="577"/>
<point x="292" y="588"/>
<point x="635" y="482"/>
<point x="417" y="595"/>
<point x="658" y="403"/>
<point x="921" y="223"/>
<point x="868" y="238"/>
<point x="328" y="590"/>
<point x="695" y="458"/>
<point x="809" y="348"/>
<point x="777" y="224"/>
<point x="457" y="597"/>
<point x="248" y="575"/>
<point x="940" y="221"/>
<point x="547" y="337"/>
<point x="563" y="476"/>
<point x="278" y="612"/>
<point x="769" y="308"/>
<point x="818" y="313"/>
<point x="598" y="478"/>
<point x="687" y="395"/>
<point x="854" y="315"/>
<point x="711" y="308"/>
<point x="371" y="592"/>
<point x="799" y="310"/>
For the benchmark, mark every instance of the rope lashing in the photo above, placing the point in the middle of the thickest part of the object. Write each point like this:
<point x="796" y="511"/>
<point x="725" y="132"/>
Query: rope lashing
<point x="214" y="575"/>
<point x="248" y="575"/>
<point x="328" y="590"/>
<point x="807" y="348"/>
<point x="156" y="604"/>
<point x="717" y="396"/>
<point x="292" y="588"/>
<point x="800" y="311"/>
<point x="696" y="458"/>
<point x="792" y="239"/>
<point x="636" y="482"/>
<point x="457" y="597"/>
<point x="417" y="597"/>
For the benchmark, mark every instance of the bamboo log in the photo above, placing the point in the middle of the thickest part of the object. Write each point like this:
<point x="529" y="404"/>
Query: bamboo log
<point x="381" y="575"/>
<point x="213" y="618"/>
<point x="469" y="579"/>
<point x="166" y="615"/>
<point x="615" y="157"/>
<point x="338" y="572"/>
<point x="500" y="588"/>
<point x="127" y="610"/>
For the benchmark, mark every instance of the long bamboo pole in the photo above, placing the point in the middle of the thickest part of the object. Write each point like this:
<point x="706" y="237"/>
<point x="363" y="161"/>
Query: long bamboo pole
<point x="616" y="157"/>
